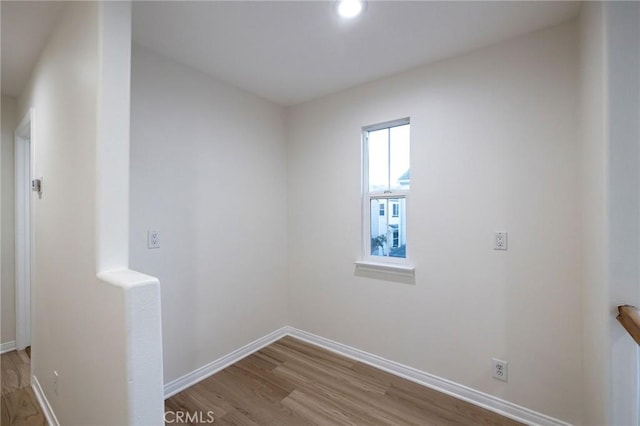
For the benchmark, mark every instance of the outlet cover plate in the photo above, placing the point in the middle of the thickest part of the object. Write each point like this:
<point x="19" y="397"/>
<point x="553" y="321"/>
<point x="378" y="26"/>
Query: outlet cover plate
<point x="500" y="239"/>
<point x="153" y="239"/>
<point x="500" y="369"/>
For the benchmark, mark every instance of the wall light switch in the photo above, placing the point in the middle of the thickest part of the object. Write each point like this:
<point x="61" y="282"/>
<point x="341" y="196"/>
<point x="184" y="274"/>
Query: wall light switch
<point x="153" y="239"/>
<point x="500" y="241"/>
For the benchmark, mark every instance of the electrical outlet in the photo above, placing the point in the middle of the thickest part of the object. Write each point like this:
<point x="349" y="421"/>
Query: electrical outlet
<point x="500" y="241"/>
<point x="153" y="239"/>
<point x="55" y="383"/>
<point x="500" y="369"/>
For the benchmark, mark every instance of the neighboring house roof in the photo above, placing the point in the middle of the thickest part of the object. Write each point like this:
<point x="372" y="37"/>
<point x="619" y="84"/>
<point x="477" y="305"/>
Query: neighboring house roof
<point x="404" y="179"/>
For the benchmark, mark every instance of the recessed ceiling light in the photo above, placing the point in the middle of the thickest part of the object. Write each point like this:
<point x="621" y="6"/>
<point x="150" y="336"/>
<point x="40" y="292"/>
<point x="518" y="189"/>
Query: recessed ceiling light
<point x="350" y="8"/>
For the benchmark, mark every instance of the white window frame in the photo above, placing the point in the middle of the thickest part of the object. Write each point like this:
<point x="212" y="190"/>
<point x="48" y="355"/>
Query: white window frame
<point x="394" y="265"/>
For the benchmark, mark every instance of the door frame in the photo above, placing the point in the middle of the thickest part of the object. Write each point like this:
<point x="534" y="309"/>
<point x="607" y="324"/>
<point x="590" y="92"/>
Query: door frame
<point x="24" y="143"/>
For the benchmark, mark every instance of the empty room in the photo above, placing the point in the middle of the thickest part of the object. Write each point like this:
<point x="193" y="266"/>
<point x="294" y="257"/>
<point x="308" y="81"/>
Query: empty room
<point x="320" y="213"/>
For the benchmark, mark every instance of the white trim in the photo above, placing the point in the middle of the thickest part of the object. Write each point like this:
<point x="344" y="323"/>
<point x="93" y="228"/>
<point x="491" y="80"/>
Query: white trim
<point x="7" y="347"/>
<point x="210" y="369"/>
<point x="489" y="402"/>
<point x="464" y="393"/>
<point x="389" y="268"/>
<point x="52" y="420"/>
<point x="24" y="164"/>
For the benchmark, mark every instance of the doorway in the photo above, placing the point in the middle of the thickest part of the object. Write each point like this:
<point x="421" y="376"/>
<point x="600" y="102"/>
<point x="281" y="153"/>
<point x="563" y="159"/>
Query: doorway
<point x="24" y="137"/>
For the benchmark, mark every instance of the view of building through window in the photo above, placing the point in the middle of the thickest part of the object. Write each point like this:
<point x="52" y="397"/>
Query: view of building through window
<point x="388" y="179"/>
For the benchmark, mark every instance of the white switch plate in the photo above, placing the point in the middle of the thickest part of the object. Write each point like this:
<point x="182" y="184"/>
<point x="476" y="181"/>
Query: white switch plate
<point x="500" y="240"/>
<point x="153" y="239"/>
<point x="500" y="369"/>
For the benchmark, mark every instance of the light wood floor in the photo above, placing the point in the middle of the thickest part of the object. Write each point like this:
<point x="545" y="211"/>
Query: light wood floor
<point x="19" y="405"/>
<point x="292" y="383"/>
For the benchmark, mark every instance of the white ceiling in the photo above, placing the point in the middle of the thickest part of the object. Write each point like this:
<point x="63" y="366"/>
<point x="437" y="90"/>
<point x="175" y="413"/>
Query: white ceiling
<point x="25" y="29"/>
<point x="291" y="52"/>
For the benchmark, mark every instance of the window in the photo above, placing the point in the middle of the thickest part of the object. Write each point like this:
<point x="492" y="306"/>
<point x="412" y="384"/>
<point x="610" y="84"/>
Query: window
<point x="386" y="181"/>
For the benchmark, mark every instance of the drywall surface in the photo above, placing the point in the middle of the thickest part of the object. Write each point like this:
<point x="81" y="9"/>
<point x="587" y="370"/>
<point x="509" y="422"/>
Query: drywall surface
<point x="8" y="298"/>
<point x="82" y="324"/>
<point x="208" y="171"/>
<point x="494" y="146"/>
<point x="594" y="155"/>
<point x="140" y="292"/>
<point x="622" y="26"/>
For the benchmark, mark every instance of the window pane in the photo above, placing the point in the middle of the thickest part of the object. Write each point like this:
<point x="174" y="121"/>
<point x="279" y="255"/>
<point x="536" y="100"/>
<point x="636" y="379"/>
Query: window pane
<point x="378" y="228"/>
<point x="378" y="148"/>
<point x="388" y="233"/>
<point x="399" y="146"/>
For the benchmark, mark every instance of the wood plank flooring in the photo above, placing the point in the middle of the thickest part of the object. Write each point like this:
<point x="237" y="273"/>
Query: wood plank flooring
<point x="293" y="383"/>
<point x="19" y="405"/>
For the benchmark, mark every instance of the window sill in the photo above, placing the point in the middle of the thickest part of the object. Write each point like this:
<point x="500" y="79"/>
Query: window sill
<point x="388" y="268"/>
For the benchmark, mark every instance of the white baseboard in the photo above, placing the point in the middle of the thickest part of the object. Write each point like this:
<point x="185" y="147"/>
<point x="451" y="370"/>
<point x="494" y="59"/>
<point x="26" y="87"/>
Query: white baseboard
<point x="210" y="369"/>
<point x="492" y="403"/>
<point x="481" y="399"/>
<point x="7" y="347"/>
<point x="52" y="420"/>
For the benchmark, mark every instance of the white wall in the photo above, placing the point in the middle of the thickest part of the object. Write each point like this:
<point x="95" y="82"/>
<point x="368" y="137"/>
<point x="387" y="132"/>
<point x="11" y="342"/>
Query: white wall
<point x="594" y="213"/>
<point x="610" y="109"/>
<point x="208" y="170"/>
<point x="494" y="138"/>
<point x="85" y="328"/>
<point x="8" y="299"/>
<point x="622" y="26"/>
